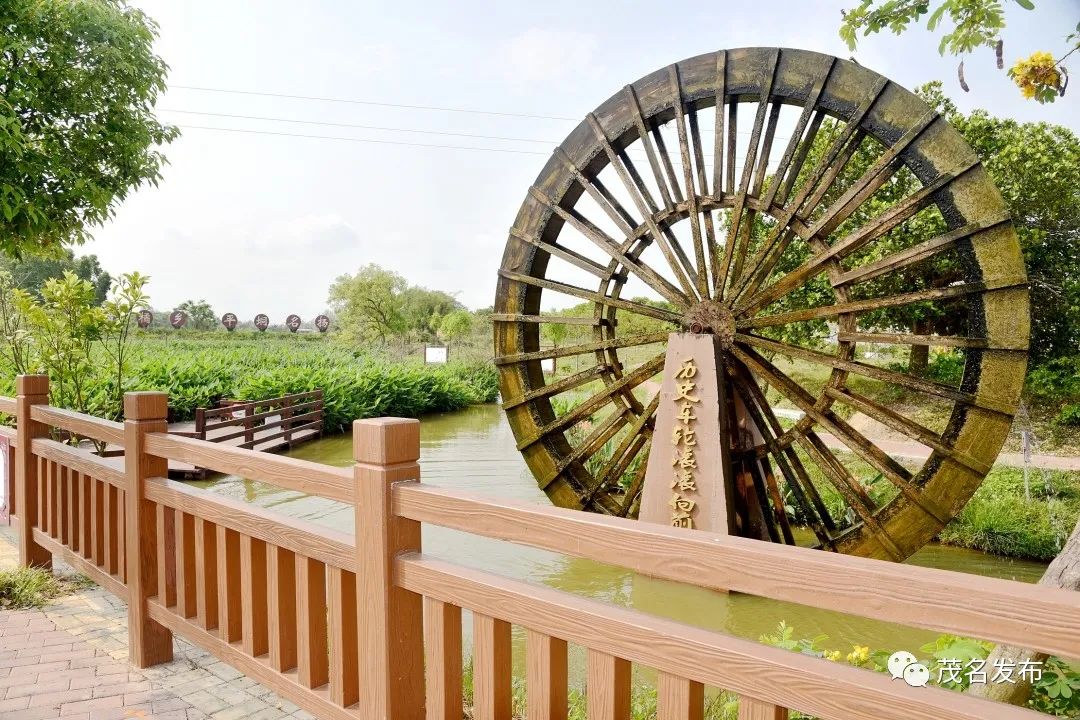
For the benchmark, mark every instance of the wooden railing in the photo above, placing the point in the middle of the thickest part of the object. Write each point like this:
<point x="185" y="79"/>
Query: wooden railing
<point x="296" y="413"/>
<point x="368" y="626"/>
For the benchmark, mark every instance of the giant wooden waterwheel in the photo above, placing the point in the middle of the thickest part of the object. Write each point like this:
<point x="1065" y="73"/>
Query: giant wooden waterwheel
<point x="821" y="221"/>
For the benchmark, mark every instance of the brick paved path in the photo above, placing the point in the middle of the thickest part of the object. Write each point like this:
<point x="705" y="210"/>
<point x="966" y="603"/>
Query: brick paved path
<point x="70" y="660"/>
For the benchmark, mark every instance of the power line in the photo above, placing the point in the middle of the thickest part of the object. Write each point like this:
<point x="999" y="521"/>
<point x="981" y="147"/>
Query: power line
<point x="372" y="102"/>
<point x="360" y="140"/>
<point x="361" y="127"/>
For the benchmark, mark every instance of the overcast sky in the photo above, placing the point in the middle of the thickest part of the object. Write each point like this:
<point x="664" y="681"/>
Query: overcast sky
<point x="263" y="223"/>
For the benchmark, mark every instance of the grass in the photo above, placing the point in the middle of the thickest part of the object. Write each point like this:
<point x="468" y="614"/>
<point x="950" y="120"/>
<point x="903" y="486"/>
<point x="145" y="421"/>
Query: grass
<point x="24" y="588"/>
<point x="1000" y="520"/>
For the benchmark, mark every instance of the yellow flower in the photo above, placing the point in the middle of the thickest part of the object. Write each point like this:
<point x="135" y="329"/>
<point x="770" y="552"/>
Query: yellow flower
<point x="834" y="655"/>
<point x="858" y="655"/>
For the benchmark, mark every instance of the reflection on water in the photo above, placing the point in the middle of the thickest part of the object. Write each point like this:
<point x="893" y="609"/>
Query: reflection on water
<point x="474" y="449"/>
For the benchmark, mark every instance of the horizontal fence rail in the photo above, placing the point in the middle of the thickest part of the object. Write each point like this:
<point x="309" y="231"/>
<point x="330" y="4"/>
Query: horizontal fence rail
<point x="368" y="626"/>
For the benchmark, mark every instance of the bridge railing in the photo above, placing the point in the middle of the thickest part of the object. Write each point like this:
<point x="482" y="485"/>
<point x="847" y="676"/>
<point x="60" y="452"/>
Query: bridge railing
<point x="368" y="626"/>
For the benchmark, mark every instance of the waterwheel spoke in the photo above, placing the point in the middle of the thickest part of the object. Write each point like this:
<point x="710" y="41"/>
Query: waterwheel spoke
<point x="646" y="138"/>
<point x="792" y="174"/>
<point x="851" y="490"/>
<point x="569" y="382"/>
<point x="861" y="306"/>
<point x="601" y="195"/>
<point x="836" y="157"/>
<point x="907" y="339"/>
<point x="688" y="180"/>
<point x="776" y="242"/>
<point x="610" y="246"/>
<point x="718" y="138"/>
<point x="585" y="294"/>
<point x="646" y="206"/>
<point x="910" y="428"/>
<point x="624" y="385"/>
<point x="552" y="319"/>
<point x="917" y="253"/>
<point x="706" y="270"/>
<point x="855" y="441"/>
<point x="584" y="348"/>
<point x="871" y="231"/>
<point x="591" y="444"/>
<point x="801" y="488"/>
<point x="635" y="441"/>
<point x="891" y="377"/>
<point x="576" y="259"/>
<point x="785" y="168"/>
<point x="739" y="229"/>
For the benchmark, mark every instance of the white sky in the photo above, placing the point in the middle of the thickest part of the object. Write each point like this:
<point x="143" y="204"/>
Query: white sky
<point x="260" y="223"/>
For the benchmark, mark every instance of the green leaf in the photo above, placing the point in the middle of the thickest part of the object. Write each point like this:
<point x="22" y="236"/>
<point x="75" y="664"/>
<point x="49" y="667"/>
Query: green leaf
<point x="1026" y="4"/>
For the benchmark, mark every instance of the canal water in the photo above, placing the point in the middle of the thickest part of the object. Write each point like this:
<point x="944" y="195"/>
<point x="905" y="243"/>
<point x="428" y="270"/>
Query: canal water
<point x="474" y="450"/>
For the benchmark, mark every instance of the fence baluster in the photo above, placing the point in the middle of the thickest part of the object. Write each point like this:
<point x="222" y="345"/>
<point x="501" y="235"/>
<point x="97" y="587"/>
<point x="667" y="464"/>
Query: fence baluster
<point x="442" y="646"/>
<point x="253" y="595"/>
<point x="314" y="665"/>
<point x="545" y="676"/>
<point x="206" y="586"/>
<point x="186" y="603"/>
<point x="492" y="691"/>
<point x="282" y="589"/>
<point x="608" y="688"/>
<point x="752" y="709"/>
<point x="391" y="631"/>
<point x="344" y="661"/>
<point x="679" y="699"/>
<point x="230" y="625"/>
<point x="30" y="390"/>
<point x="149" y="643"/>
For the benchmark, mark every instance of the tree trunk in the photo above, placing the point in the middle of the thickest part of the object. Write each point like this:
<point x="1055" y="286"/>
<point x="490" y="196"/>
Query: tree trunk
<point x="1064" y="572"/>
<point x="919" y="359"/>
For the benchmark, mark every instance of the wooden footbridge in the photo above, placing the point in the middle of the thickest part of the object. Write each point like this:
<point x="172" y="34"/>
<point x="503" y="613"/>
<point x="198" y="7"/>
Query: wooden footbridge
<point x="369" y="626"/>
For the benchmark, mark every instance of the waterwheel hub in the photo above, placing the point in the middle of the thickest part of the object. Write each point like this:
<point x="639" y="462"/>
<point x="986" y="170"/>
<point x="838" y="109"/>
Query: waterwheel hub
<point x="712" y="316"/>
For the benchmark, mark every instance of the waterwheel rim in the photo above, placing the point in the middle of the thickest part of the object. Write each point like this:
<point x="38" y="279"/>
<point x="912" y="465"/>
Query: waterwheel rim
<point x="643" y="201"/>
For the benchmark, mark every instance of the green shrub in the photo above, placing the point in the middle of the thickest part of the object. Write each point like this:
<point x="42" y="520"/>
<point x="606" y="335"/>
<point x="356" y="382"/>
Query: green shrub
<point x="1069" y="415"/>
<point x="1057" y="380"/>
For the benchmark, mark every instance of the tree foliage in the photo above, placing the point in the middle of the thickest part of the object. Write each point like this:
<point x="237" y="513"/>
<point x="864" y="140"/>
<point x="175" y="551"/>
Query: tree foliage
<point x="200" y="315"/>
<point x="78" y="83"/>
<point x="455" y="326"/>
<point x="72" y="338"/>
<point x="380" y="305"/>
<point x="974" y="24"/>
<point x="31" y="271"/>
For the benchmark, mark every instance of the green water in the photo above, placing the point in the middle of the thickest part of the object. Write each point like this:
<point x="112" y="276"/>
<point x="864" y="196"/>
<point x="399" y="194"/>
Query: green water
<point x="474" y="450"/>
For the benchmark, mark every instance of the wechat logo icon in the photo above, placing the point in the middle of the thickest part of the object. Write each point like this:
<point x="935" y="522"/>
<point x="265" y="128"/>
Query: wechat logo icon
<point x="903" y="665"/>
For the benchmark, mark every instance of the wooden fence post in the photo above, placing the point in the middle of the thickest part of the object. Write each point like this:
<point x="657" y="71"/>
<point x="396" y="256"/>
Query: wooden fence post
<point x="249" y="425"/>
<point x="200" y="423"/>
<point x="149" y="642"/>
<point x="391" y="630"/>
<point x="29" y="390"/>
<point x="286" y="420"/>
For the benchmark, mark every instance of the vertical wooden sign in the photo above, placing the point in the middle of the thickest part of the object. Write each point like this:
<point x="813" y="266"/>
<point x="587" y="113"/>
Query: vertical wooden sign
<point x="686" y="483"/>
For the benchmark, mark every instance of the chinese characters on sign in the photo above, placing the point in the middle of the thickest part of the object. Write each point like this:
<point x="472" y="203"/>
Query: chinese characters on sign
<point x="322" y="323"/>
<point x="144" y="318"/>
<point x="261" y="322"/>
<point x="178" y="319"/>
<point x="293" y="323"/>
<point x="684" y="443"/>
<point x="229" y="321"/>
